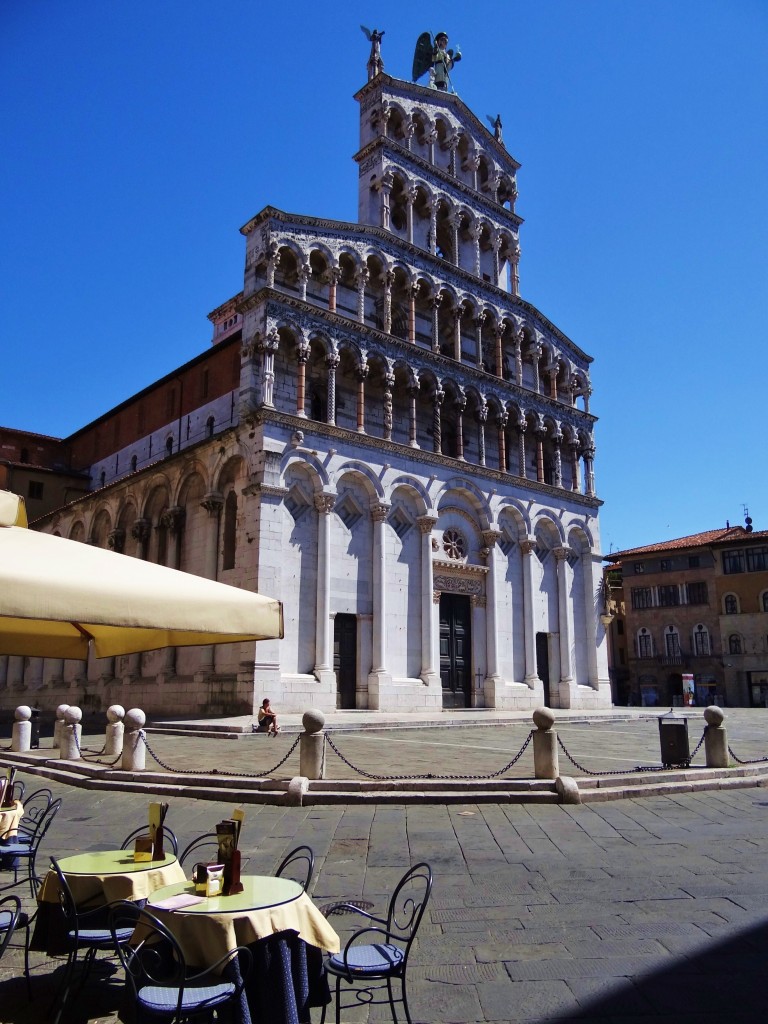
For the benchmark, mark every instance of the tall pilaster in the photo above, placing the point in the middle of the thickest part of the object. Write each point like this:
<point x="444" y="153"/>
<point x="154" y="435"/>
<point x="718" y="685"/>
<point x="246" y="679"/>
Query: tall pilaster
<point x="527" y="549"/>
<point x="323" y="664"/>
<point x="428" y="633"/>
<point x="564" y="626"/>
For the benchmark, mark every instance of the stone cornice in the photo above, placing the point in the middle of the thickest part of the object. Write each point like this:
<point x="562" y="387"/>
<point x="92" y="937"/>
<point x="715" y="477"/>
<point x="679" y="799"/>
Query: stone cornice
<point x="486" y="383"/>
<point x="459" y="568"/>
<point x="439" y="174"/>
<point x="546" y="493"/>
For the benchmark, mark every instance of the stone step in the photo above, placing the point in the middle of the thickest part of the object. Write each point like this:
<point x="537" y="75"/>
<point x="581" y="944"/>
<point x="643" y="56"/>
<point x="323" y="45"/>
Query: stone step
<point x="425" y="796"/>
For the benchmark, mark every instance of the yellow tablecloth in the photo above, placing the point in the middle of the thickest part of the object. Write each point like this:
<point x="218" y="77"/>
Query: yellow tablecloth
<point x="108" y="875"/>
<point x="207" y="931"/>
<point x="9" y="819"/>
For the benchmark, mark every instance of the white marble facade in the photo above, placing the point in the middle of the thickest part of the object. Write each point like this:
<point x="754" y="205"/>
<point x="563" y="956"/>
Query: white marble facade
<point x="408" y="464"/>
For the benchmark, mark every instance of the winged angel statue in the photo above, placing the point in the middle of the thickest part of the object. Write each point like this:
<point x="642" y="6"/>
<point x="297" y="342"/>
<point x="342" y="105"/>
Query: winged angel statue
<point x="434" y="56"/>
<point x="375" y="62"/>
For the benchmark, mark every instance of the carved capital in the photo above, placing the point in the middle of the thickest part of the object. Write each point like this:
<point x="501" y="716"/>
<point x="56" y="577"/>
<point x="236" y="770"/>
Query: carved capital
<point x="379" y="512"/>
<point x="562" y="554"/>
<point x="324" y="503"/>
<point x="173" y="518"/>
<point x="212" y="503"/>
<point x="140" y="530"/>
<point x="491" y="537"/>
<point x="527" y="547"/>
<point x="426" y="524"/>
<point x="116" y="540"/>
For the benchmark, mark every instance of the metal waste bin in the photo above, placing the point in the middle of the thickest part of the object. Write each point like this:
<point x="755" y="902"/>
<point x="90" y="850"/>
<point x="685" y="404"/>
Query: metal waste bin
<point x="673" y="738"/>
<point x="34" y="734"/>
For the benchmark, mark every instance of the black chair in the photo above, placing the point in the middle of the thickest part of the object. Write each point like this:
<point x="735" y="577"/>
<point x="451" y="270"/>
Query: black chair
<point x="157" y="974"/>
<point x="298" y="865"/>
<point x="168" y="836"/>
<point x="85" y="929"/>
<point x="205" y="849"/>
<point x="384" y="957"/>
<point x="35" y="806"/>
<point x="11" y="918"/>
<point x="24" y="849"/>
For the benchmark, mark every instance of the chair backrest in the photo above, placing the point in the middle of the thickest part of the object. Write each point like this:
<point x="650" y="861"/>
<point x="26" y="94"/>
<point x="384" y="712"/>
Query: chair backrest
<point x="66" y="898"/>
<point x="169" y="836"/>
<point x="204" y="848"/>
<point x="408" y="903"/>
<point x="153" y="957"/>
<point x="35" y="806"/>
<point x="299" y="865"/>
<point x="18" y="789"/>
<point x="45" y="823"/>
<point x="10" y="908"/>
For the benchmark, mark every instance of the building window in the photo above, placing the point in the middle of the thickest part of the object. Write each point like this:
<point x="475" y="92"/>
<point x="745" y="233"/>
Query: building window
<point x="102" y="478"/>
<point x="697" y="593"/>
<point x="230" y="531"/>
<point x="734" y="644"/>
<point x="701" y="640"/>
<point x="639" y="568"/>
<point x="642" y="597"/>
<point x="693" y="561"/>
<point x="665" y="565"/>
<point x="454" y="544"/>
<point x="644" y="644"/>
<point x="35" y="490"/>
<point x="757" y="559"/>
<point x="24" y="455"/>
<point x="134" y="463"/>
<point x="210" y="423"/>
<point x="672" y="643"/>
<point x="169" y="446"/>
<point x="733" y="561"/>
<point x="730" y="604"/>
<point x="669" y="595"/>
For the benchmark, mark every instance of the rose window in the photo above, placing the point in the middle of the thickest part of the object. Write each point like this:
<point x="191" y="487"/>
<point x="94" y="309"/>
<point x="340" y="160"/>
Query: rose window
<point x="454" y="544"/>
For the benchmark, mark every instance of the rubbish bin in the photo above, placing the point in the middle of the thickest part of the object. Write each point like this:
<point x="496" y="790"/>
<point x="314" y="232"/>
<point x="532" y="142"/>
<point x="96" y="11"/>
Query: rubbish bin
<point x="673" y="738"/>
<point x="34" y="734"/>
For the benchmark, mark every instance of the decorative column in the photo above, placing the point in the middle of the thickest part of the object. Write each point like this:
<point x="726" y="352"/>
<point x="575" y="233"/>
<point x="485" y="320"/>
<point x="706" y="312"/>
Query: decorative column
<point x="323" y="663"/>
<point x="140" y="531"/>
<point x="413" y="391"/>
<point x="433" y="227"/>
<point x="302" y="358"/>
<point x="501" y="424"/>
<point x="378" y="674"/>
<point x="540" y="434"/>
<point x="495" y="248"/>
<point x="461" y="405"/>
<point x="589" y="472"/>
<point x="437" y="432"/>
<point x="428" y="664"/>
<point x="474" y="235"/>
<point x="389" y="383"/>
<point x="527" y="548"/>
<point x="479" y="321"/>
<point x="413" y="291"/>
<point x="273" y="260"/>
<point x="482" y="419"/>
<point x="389" y="280"/>
<point x="553" y="381"/>
<point x="410" y="198"/>
<point x="535" y="352"/>
<point x="362" y="373"/>
<point x="334" y="274"/>
<point x="516" y="270"/>
<point x="331" y="361"/>
<point x="521" y="470"/>
<point x="575" y="485"/>
<point x="435" y="304"/>
<point x="519" y="357"/>
<point x="457" y="334"/>
<point x="473" y="164"/>
<point x="499" y="339"/>
<point x="213" y="504"/>
<point x="557" y="441"/>
<point x="566" y="669"/>
<point x="453" y="223"/>
<point x="385" y="190"/>
<point x="453" y="144"/>
<point x="490" y="538"/>
<point x="587" y="393"/>
<point x="268" y="347"/>
<point x="430" y="139"/>
<point x="588" y="564"/>
<point x="361" y="280"/>
<point x="305" y="272"/>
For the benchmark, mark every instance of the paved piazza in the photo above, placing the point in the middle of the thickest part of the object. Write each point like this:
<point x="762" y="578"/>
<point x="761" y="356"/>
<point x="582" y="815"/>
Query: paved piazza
<point x="653" y="908"/>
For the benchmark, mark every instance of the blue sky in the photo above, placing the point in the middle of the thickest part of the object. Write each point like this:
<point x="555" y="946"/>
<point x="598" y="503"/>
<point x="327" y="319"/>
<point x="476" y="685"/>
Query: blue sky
<point x="138" y="137"/>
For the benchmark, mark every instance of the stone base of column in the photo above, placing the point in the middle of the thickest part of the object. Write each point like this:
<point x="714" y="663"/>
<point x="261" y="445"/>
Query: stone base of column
<point x="432" y="681"/>
<point x="378" y="684"/>
<point x="565" y="691"/>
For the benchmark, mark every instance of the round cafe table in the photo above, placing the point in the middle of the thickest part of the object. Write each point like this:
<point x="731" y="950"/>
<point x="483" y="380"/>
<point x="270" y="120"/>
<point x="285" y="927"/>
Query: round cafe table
<point x="10" y="818"/>
<point x="108" y="875"/>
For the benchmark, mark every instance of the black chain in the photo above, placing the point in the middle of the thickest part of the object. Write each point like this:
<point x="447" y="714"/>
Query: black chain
<point x="698" y="745"/>
<point x="738" y="760"/>
<point x="217" y="771"/>
<point x="95" y="758"/>
<point x="625" y="771"/>
<point x="428" y="775"/>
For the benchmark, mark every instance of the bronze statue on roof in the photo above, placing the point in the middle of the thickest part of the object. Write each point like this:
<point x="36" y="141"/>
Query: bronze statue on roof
<point x="375" y="61"/>
<point x="434" y="56"/>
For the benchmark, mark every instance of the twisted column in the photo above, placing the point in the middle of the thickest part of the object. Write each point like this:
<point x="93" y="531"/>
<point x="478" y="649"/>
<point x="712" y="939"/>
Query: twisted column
<point x="437" y="432"/>
<point x="389" y="383"/>
<point x="362" y="373"/>
<point x="302" y="357"/>
<point x="331" y="361"/>
<point x="501" y="423"/>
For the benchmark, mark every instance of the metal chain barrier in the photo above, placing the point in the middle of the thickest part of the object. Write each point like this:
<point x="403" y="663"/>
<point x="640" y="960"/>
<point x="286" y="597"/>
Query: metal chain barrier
<point x="428" y="775"/>
<point x="95" y="758"/>
<point x="626" y="771"/>
<point x="217" y="771"/>
<point x="738" y="760"/>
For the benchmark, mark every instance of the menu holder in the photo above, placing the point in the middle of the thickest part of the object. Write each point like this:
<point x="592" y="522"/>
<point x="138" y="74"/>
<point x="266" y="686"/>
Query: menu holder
<point x="6" y="784"/>
<point x="142" y="849"/>
<point x="157" y="813"/>
<point x="228" y="833"/>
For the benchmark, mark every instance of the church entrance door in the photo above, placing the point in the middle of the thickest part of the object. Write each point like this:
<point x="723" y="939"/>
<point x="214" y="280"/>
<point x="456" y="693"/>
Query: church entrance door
<point x="542" y="664"/>
<point x="345" y="659"/>
<point x="455" y="650"/>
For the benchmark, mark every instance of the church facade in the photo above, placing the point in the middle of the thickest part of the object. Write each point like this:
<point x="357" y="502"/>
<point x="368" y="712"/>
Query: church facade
<point x="385" y="436"/>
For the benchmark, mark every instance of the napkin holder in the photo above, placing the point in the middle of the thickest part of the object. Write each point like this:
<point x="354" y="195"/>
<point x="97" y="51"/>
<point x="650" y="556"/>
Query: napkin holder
<point x="142" y="849"/>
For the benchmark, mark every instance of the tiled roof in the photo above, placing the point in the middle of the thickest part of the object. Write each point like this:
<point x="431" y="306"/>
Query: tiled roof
<point x="694" y="540"/>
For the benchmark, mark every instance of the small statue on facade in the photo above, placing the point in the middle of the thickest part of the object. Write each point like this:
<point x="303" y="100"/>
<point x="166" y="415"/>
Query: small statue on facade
<point x="375" y="62"/>
<point x="496" y="126"/>
<point x="435" y="57"/>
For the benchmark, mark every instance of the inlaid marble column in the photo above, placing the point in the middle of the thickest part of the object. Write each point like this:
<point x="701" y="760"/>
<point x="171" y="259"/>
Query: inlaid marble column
<point x="527" y="549"/>
<point x="213" y="502"/>
<point x="331" y="361"/>
<point x="434" y="303"/>
<point x="482" y="419"/>
<point x="361" y="373"/>
<point x="479" y="321"/>
<point x="413" y="391"/>
<point x="273" y="260"/>
<point x="501" y="424"/>
<point x="413" y="291"/>
<point x="379" y="589"/>
<point x="437" y="431"/>
<point x="385" y="190"/>
<point x="498" y="336"/>
<point x="490" y="539"/>
<point x="474" y="235"/>
<point x="461" y="405"/>
<point x="589" y="565"/>
<point x="589" y="471"/>
<point x="428" y="663"/>
<point x="557" y="442"/>
<point x="268" y="346"/>
<point x="535" y="353"/>
<point x="453" y="143"/>
<point x="563" y="603"/>
<point x="539" y="434"/>
<point x="553" y="381"/>
<point x="361" y="280"/>
<point x="575" y="485"/>
<point x="334" y="275"/>
<point x="473" y="165"/>
<point x="433" y="227"/>
<point x="389" y="280"/>
<point x="496" y="247"/>
<point x="521" y="468"/>
<point x="453" y="224"/>
<point x="457" y="334"/>
<point x="430" y="139"/>
<point x="515" y="268"/>
<point x="302" y="358"/>
<point x="323" y="655"/>
<point x="305" y="273"/>
<point x="587" y="393"/>
<point x="410" y="199"/>
<point x="389" y="383"/>
<point x="519" y="358"/>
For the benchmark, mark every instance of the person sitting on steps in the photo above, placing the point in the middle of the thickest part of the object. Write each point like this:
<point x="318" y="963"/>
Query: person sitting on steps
<point x="267" y="719"/>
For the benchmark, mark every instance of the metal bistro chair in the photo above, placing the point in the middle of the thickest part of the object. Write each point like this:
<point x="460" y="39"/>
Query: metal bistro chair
<point x="206" y="844"/>
<point x="35" y="806"/>
<point x="298" y="865"/>
<point x="25" y="849"/>
<point x="13" y="917"/>
<point x="156" y="970"/>
<point x="81" y="934"/>
<point x="374" y="964"/>
<point x="168" y="835"/>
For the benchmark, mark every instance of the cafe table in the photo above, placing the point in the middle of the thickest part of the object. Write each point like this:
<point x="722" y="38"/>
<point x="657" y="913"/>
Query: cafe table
<point x="10" y="818"/>
<point x="280" y="925"/>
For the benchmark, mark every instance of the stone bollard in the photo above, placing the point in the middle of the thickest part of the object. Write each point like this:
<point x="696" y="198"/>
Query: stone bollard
<point x="134" y="749"/>
<point x="59" y="723"/>
<point x="312" y="745"/>
<point x="113" y="742"/>
<point x="21" y="736"/>
<point x="716" y="738"/>
<point x="71" y="731"/>
<point x="545" y="761"/>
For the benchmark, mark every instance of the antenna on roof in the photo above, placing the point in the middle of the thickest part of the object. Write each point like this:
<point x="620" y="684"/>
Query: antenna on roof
<point x="747" y="520"/>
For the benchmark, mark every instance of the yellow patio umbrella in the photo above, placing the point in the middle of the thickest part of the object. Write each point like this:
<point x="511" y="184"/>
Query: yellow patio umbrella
<point x="58" y="596"/>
